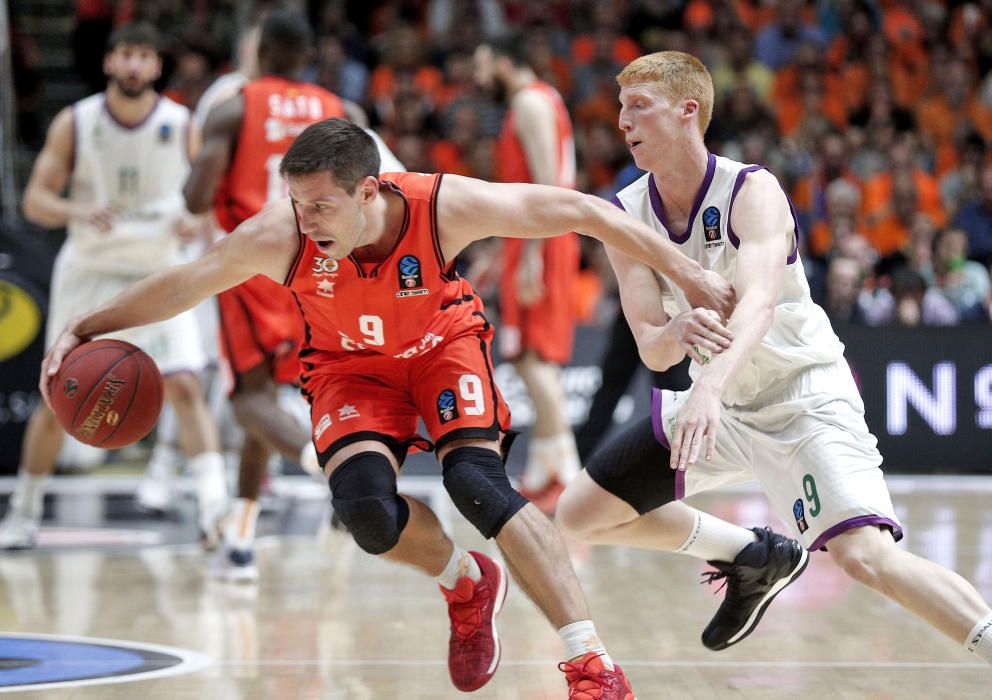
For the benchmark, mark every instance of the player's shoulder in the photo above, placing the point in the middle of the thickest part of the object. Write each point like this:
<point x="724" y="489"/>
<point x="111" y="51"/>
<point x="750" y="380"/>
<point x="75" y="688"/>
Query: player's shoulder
<point x="636" y="190"/>
<point x="170" y="108"/>
<point x="414" y="186"/>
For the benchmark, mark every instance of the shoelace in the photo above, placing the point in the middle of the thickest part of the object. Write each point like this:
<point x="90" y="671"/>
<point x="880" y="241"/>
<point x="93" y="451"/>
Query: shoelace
<point x="577" y="672"/>
<point x="711" y="576"/>
<point x="466" y="618"/>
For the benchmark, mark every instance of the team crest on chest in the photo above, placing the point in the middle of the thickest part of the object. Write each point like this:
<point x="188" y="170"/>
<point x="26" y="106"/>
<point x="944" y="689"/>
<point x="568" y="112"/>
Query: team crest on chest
<point x="165" y="133"/>
<point x="411" y="277"/>
<point x="711" y="228"/>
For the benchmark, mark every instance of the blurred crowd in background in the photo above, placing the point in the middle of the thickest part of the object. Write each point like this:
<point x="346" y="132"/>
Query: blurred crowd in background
<point x="875" y="115"/>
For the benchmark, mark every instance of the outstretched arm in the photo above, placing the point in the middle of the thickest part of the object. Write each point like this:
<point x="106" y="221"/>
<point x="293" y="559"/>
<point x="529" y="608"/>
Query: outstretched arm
<point x="469" y="210"/>
<point x="264" y="244"/>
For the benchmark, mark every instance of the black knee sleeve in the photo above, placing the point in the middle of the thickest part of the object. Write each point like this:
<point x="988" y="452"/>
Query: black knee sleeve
<point x="634" y="467"/>
<point x="363" y="490"/>
<point x="475" y="478"/>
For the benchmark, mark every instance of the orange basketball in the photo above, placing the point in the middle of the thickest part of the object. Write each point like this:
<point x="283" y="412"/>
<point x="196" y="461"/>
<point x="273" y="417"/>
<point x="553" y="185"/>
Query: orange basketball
<point x="107" y="393"/>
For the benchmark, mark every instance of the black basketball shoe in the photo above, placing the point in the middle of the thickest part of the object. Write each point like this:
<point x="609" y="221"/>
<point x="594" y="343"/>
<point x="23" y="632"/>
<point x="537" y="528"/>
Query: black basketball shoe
<point x="756" y="576"/>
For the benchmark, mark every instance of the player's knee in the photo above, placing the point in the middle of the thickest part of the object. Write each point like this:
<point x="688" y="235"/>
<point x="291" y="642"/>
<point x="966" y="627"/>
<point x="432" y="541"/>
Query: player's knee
<point x="858" y="563"/>
<point x="246" y="405"/>
<point x="571" y="514"/>
<point x="183" y="388"/>
<point x="363" y="490"/>
<point x="475" y="478"/>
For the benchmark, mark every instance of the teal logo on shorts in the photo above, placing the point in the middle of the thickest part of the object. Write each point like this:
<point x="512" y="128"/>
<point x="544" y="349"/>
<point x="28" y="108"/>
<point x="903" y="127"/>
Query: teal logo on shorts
<point x="799" y="511"/>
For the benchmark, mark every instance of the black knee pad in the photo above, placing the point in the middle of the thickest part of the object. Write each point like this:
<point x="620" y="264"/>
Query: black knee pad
<point x="475" y="478"/>
<point x="363" y="490"/>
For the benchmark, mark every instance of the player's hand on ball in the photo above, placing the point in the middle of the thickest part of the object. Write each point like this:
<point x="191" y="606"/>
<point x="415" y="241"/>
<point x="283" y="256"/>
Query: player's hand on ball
<point x="701" y="334"/>
<point x="65" y="344"/>
<point x="695" y="427"/>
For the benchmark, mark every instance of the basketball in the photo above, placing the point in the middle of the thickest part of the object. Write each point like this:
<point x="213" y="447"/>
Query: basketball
<point x="107" y="393"/>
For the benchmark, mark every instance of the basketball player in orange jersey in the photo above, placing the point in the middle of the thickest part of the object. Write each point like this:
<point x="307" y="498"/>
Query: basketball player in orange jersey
<point x="122" y="155"/>
<point x="244" y="139"/>
<point x="537" y="323"/>
<point x="393" y="334"/>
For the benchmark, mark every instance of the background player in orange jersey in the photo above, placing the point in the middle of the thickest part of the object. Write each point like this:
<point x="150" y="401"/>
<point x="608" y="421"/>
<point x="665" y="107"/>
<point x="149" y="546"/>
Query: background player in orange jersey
<point x="237" y="171"/>
<point x="394" y="334"/>
<point x="537" y="320"/>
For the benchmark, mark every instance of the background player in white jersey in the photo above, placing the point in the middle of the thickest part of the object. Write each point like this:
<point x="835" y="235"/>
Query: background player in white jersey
<point x="772" y="397"/>
<point x="124" y="155"/>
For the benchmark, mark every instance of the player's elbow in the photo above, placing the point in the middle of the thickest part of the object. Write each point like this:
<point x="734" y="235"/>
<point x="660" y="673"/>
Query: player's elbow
<point x="33" y="211"/>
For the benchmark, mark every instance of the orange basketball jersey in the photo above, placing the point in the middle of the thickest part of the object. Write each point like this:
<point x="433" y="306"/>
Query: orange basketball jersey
<point x="276" y="111"/>
<point x="404" y="306"/>
<point x="511" y="161"/>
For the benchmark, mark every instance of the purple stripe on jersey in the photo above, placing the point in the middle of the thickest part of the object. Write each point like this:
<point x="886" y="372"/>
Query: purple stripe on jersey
<point x="659" y="209"/>
<point x="129" y="127"/>
<point x="852" y="523"/>
<point x="615" y="201"/>
<point x="659" y="432"/>
<point x="734" y="240"/>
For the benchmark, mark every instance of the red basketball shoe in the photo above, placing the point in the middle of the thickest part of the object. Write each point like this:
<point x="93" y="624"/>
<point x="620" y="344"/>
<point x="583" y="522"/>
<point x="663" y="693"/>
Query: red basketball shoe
<point x="589" y="679"/>
<point x="473" y="649"/>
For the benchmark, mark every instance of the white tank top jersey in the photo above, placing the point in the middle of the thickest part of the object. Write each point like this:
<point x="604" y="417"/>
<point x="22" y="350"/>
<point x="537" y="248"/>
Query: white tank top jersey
<point x="800" y="335"/>
<point x="140" y="171"/>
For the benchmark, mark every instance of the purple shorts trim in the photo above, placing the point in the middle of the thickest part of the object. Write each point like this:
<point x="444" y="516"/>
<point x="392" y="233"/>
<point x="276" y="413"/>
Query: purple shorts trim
<point x="852" y="523"/>
<point x="659" y="432"/>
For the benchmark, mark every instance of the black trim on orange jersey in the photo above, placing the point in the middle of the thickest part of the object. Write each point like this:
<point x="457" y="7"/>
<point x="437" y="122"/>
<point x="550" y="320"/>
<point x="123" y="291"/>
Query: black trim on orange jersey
<point x="435" y="234"/>
<point x="464" y="299"/>
<point x="395" y="189"/>
<point x="302" y="240"/>
<point x="398" y="447"/>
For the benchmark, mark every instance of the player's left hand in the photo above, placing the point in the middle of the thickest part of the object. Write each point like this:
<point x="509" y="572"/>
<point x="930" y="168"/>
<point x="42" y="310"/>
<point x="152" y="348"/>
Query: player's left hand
<point x="711" y="291"/>
<point x="65" y="344"/>
<point x="696" y="427"/>
<point x="530" y="277"/>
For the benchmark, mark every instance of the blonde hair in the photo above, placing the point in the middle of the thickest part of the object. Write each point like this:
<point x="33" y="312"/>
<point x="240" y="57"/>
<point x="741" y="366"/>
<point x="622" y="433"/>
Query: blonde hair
<point x="679" y="74"/>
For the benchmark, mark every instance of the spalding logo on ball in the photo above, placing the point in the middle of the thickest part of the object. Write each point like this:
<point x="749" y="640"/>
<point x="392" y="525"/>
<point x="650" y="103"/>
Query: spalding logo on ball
<point x="108" y="393"/>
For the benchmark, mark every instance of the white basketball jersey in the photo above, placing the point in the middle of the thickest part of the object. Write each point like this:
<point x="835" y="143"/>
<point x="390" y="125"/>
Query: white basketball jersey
<point x="800" y="334"/>
<point x="140" y="171"/>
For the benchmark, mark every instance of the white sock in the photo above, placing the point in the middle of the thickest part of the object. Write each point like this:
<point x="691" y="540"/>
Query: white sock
<point x="979" y="640"/>
<point x="240" y="530"/>
<point x="580" y="638"/>
<point x="569" y="464"/>
<point x="541" y="454"/>
<point x="28" y="494"/>
<point x="460" y="565"/>
<point x="715" y="540"/>
<point x="211" y="482"/>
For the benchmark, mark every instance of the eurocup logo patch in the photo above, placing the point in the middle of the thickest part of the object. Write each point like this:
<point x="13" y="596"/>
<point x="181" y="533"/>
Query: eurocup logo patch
<point x="711" y="224"/>
<point x="799" y="511"/>
<point x="447" y="409"/>
<point x="165" y="133"/>
<point x="410" y="273"/>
